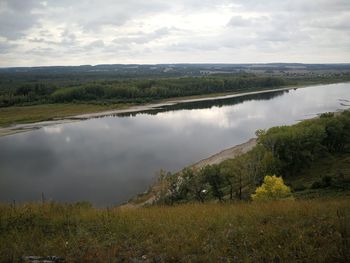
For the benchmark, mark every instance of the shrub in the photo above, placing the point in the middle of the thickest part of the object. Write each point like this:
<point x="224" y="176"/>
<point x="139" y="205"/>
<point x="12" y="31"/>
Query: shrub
<point x="316" y="185"/>
<point x="273" y="188"/>
<point x="298" y="187"/>
<point x="327" y="115"/>
<point x="327" y="180"/>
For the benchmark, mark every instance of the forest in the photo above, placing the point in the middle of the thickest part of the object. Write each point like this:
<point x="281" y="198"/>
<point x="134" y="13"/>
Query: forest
<point x="53" y="85"/>
<point x="134" y="91"/>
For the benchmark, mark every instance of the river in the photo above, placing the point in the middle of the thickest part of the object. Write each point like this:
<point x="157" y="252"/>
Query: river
<point x="108" y="160"/>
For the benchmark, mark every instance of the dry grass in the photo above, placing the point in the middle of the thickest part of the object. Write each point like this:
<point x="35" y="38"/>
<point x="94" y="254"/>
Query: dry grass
<point x="29" y="114"/>
<point x="290" y="231"/>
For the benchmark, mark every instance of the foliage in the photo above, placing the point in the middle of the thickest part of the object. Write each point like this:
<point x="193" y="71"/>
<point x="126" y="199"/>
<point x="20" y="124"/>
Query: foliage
<point x="273" y="188"/>
<point x="211" y="174"/>
<point x="127" y="91"/>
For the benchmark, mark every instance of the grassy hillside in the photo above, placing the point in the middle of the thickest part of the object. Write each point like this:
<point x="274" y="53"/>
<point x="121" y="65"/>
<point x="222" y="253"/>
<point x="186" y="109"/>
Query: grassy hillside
<point x="285" y="231"/>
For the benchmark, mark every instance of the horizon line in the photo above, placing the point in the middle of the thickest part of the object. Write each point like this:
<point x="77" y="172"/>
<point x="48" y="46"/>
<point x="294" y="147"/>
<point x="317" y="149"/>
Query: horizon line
<point x="179" y="63"/>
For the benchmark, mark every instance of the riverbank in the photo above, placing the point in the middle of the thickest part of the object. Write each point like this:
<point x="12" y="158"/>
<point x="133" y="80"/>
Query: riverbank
<point x="226" y="154"/>
<point x="230" y="153"/>
<point x="156" y="192"/>
<point x="47" y="115"/>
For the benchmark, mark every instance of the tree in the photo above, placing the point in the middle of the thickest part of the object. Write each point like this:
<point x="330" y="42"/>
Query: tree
<point x="193" y="184"/>
<point x="273" y="188"/>
<point x="211" y="174"/>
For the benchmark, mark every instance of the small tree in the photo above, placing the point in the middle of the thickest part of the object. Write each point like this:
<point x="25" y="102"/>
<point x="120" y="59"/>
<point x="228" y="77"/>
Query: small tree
<point x="273" y="188"/>
<point x="211" y="174"/>
<point x="193" y="185"/>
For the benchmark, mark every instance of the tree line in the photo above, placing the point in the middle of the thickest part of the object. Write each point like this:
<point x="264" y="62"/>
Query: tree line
<point x="132" y="91"/>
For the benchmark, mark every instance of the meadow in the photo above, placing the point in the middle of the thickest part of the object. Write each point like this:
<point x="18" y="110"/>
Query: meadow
<point x="279" y="231"/>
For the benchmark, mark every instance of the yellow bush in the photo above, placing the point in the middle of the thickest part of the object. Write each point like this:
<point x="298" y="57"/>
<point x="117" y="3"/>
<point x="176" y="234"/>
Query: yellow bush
<point x="273" y="188"/>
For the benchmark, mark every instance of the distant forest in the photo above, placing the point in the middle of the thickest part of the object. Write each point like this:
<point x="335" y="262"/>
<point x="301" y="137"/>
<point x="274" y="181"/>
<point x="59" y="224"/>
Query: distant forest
<point x="109" y="84"/>
<point x="134" y="91"/>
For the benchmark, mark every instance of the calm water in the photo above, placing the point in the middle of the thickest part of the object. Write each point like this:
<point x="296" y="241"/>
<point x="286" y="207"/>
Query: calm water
<point x="108" y="160"/>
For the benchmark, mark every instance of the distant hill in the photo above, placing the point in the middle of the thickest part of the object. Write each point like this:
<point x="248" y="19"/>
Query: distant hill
<point x="170" y="69"/>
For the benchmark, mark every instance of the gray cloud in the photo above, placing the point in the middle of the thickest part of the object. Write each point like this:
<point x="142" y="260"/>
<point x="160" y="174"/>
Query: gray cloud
<point x="93" y="15"/>
<point x="16" y="18"/>
<point x="117" y="31"/>
<point x="143" y="38"/>
<point x="6" y="47"/>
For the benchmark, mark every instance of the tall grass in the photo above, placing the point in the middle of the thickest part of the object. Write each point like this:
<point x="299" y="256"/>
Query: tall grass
<point x="286" y="231"/>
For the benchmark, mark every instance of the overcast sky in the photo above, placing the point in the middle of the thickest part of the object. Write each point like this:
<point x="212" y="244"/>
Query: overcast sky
<point x="68" y="32"/>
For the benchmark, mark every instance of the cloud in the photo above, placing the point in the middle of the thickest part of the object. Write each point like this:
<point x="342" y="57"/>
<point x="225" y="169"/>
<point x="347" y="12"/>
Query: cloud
<point x="142" y="37"/>
<point x="6" y="47"/>
<point x="16" y="17"/>
<point x="239" y="21"/>
<point x="155" y="31"/>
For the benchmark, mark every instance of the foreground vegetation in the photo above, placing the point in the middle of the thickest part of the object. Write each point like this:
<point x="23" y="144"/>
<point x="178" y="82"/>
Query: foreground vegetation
<point x="285" y="231"/>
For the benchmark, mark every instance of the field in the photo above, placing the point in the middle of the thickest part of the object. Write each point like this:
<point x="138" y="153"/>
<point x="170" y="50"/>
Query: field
<point x="285" y="231"/>
<point x="30" y="114"/>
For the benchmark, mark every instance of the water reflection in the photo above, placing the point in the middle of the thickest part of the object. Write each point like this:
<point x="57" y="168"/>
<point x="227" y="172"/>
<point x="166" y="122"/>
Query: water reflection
<point x="204" y="104"/>
<point x="108" y="160"/>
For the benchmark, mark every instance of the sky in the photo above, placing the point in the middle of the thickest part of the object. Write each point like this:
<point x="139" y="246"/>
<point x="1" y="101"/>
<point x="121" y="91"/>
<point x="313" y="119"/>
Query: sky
<point x="66" y="32"/>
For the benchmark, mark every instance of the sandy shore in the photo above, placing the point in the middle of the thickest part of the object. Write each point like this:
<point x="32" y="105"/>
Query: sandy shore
<point x="37" y="125"/>
<point x="31" y="126"/>
<point x="229" y="153"/>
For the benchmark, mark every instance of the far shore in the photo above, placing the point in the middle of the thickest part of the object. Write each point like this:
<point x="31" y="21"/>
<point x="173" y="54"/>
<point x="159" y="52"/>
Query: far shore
<point x="171" y="102"/>
<point x="24" y="127"/>
<point x="125" y="109"/>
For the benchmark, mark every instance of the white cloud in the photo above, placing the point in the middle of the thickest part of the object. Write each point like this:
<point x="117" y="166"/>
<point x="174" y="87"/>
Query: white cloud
<point x="115" y="31"/>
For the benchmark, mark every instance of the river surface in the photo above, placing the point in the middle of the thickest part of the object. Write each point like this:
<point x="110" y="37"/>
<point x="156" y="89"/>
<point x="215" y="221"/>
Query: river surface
<point x="108" y="160"/>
